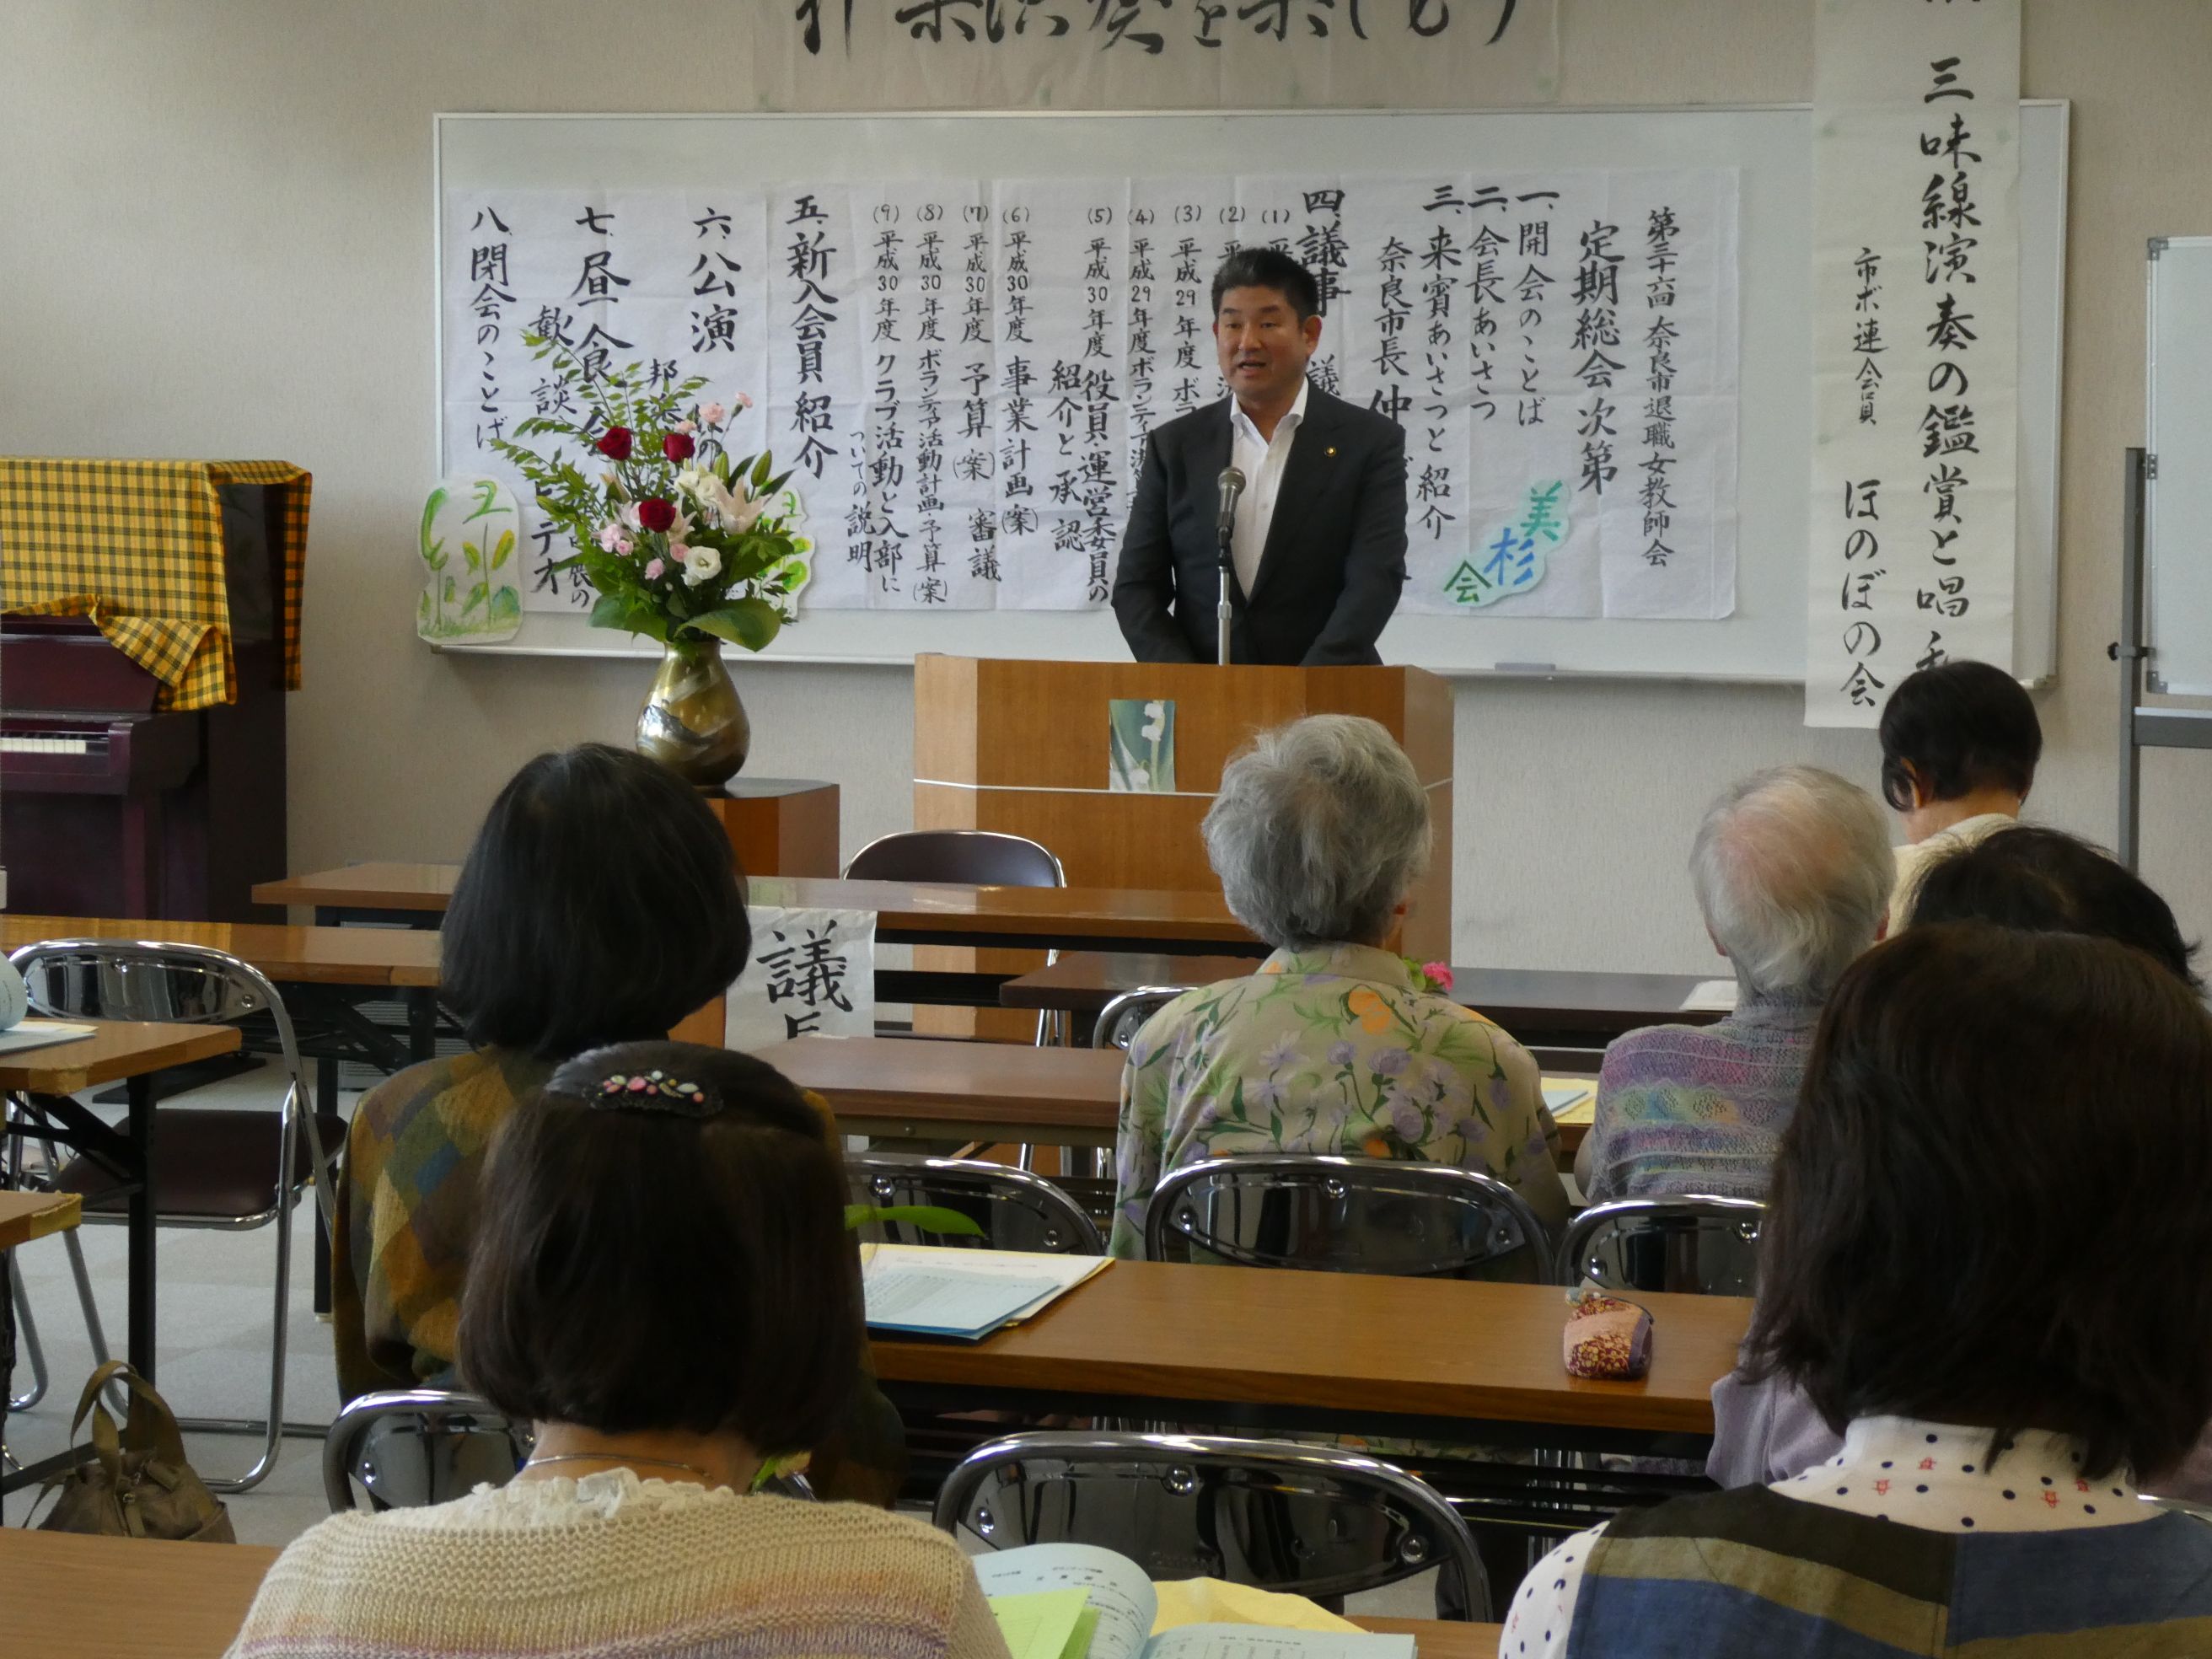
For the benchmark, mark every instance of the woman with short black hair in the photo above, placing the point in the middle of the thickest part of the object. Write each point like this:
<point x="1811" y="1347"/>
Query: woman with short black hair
<point x="1960" y="1269"/>
<point x="600" y="903"/>
<point x="2046" y="881"/>
<point x="663" y="1283"/>
<point x="1959" y="743"/>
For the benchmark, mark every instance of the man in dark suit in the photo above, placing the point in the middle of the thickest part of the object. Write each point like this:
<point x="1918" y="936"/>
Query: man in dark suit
<point x="1319" y="544"/>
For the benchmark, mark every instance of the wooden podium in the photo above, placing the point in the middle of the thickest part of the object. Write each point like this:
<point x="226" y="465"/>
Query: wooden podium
<point x="1023" y="747"/>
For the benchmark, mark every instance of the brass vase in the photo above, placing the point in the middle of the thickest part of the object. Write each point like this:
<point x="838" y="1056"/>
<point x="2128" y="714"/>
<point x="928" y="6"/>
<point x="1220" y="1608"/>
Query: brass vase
<point x="692" y="722"/>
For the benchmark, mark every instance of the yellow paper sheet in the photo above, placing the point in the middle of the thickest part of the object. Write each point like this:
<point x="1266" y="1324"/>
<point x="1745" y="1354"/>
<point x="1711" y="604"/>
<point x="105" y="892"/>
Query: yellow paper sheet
<point x="1047" y="1625"/>
<point x="1582" y="1111"/>
<point x="1212" y="1602"/>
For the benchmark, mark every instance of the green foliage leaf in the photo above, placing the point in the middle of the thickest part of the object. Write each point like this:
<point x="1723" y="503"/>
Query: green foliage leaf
<point x="931" y="1218"/>
<point x="750" y="622"/>
<point x="761" y="472"/>
<point x="609" y="610"/>
<point x="429" y="512"/>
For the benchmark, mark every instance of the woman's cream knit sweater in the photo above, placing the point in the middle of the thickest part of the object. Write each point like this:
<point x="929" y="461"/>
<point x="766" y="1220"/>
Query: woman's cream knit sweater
<point x="613" y="1565"/>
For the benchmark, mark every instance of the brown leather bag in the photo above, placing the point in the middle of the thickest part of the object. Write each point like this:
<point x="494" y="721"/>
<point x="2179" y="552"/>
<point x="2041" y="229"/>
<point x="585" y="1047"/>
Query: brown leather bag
<point x="137" y="1484"/>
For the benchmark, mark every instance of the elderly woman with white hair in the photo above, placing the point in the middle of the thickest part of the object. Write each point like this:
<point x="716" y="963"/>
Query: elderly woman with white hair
<point x="1335" y="1046"/>
<point x="1793" y="870"/>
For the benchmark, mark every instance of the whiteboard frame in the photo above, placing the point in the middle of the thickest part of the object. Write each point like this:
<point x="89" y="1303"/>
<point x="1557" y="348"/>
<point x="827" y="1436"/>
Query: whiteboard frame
<point x="2032" y="633"/>
<point x="2196" y="680"/>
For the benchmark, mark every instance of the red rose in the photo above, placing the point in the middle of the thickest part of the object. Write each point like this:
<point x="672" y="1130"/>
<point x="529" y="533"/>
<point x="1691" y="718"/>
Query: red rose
<point x="614" y="443"/>
<point x="678" y="446"/>
<point x="652" y="512"/>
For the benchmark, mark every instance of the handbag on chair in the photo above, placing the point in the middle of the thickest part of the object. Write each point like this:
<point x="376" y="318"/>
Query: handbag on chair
<point x="137" y="1484"/>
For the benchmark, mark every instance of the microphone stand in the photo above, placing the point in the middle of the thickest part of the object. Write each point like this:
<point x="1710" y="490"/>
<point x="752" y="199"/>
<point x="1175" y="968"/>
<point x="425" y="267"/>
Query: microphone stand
<point x="1221" y="607"/>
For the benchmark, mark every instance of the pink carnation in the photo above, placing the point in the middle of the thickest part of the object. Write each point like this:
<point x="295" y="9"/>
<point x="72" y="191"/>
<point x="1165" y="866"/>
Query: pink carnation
<point x="653" y="570"/>
<point x="1439" y="973"/>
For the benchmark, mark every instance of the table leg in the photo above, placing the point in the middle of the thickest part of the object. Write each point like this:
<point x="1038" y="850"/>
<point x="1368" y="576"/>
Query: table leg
<point x="139" y="1339"/>
<point x="422" y="1024"/>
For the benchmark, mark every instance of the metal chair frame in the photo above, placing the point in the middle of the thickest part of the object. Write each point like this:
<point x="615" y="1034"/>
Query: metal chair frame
<point x="1262" y="1172"/>
<point x="1048" y="1022"/>
<point x="1149" y="998"/>
<point x="881" y="1174"/>
<point x="1429" y="1531"/>
<point x="244" y="991"/>
<point x="1694" y="1216"/>
<point x="347" y="1441"/>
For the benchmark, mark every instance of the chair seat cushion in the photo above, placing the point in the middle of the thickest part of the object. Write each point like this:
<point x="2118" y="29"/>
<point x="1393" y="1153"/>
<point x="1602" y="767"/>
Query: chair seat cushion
<point x="209" y="1164"/>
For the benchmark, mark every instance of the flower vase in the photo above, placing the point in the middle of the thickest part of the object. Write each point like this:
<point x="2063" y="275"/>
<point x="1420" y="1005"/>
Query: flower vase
<point x="692" y="722"/>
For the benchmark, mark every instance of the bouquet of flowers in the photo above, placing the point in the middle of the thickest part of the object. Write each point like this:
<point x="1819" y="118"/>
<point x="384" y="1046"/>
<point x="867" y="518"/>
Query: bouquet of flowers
<point x="680" y="541"/>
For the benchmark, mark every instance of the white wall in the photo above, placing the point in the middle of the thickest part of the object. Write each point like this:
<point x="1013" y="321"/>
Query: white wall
<point x="215" y="240"/>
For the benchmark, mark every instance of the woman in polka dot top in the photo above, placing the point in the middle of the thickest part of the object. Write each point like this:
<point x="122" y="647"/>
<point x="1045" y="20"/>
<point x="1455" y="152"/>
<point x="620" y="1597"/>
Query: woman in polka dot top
<point x="1963" y="1273"/>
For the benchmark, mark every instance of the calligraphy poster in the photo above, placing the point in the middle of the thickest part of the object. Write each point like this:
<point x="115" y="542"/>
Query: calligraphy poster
<point x="813" y="973"/>
<point x="1155" y="54"/>
<point x="961" y="374"/>
<point x="1916" y="253"/>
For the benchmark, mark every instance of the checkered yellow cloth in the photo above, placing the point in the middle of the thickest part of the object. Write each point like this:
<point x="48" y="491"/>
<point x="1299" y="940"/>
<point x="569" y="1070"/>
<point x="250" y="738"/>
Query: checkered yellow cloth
<point x="136" y="546"/>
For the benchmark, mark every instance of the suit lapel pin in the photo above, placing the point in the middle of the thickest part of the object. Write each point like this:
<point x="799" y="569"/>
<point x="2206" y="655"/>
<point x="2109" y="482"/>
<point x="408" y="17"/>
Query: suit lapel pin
<point x="1332" y="449"/>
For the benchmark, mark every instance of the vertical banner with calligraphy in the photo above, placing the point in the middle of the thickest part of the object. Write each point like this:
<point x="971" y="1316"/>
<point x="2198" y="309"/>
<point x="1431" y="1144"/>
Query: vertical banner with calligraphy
<point x="1915" y="345"/>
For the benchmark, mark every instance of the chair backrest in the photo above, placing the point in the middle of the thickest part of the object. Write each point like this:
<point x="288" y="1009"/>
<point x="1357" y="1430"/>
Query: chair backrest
<point x="408" y="1447"/>
<point x="981" y="858"/>
<point x="1123" y="1017"/>
<point x="1352" y="1215"/>
<point x="1704" y="1246"/>
<point x="1306" y="1520"/>
<point x="2180" y="1506"/>
<point x="149" y="980"/>
<point x="1017" y="1211"/>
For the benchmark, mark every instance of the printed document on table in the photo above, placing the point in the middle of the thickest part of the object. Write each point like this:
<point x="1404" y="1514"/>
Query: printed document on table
<point x="945" y="1292"/>
<point x="1710" y="995"/>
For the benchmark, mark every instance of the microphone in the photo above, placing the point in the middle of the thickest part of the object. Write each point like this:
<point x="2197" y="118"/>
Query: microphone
<point x="1231" y="483"/>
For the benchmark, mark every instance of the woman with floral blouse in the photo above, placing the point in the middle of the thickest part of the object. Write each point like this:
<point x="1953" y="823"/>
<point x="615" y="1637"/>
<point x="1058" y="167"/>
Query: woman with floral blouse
<point x="1335" y="1045"/>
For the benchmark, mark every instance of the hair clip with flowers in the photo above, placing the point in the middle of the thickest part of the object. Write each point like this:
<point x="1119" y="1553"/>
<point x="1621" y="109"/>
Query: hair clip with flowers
<point x="654" y="1092"/>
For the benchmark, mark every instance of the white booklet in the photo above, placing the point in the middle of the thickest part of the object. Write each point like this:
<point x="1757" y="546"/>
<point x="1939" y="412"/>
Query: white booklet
<point x="944" y="1291"/>
<point x="41" y="1033"/>
<point x="1710" y="996"/>
<point x="1125" y="1604"/>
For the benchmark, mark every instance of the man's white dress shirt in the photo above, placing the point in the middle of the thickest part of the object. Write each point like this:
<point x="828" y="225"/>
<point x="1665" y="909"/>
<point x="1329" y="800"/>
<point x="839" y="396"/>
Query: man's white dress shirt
<point x="1261" y="463"/>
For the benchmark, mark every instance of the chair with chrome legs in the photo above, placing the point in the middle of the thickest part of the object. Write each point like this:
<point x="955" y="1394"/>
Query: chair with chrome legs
<point x="229" y="1170"/>
<point x="1307" y="1520"/>
<point x="979" y="858"/>
<point x="1363" y="1215"/>
<point x="409" y="1447"/>
<point x="1703" y="1246"/>
<point x="1017" y="1210"/>
<point x="1125" y="1015"/>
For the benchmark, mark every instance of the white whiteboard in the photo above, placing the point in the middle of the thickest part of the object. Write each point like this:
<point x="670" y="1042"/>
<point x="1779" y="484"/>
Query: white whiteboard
<point x="2178" y="432"/>
<point x="1772" y="148"/>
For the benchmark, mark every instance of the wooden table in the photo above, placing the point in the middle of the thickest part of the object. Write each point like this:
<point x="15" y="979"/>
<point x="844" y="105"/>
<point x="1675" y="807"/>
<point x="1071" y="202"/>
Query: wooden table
<point x="906" y="912"/>
<point x="27" y="1216"/>
<point x="1434" y="1359"/>
<point x="919" y="1089"/>
<point x="128" y="1052"/>
<point x="123" y="1598"/>
<point x="374" y="956"/>
<point x="916" y="1089"/>
<point x="1542" y="1007"/>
